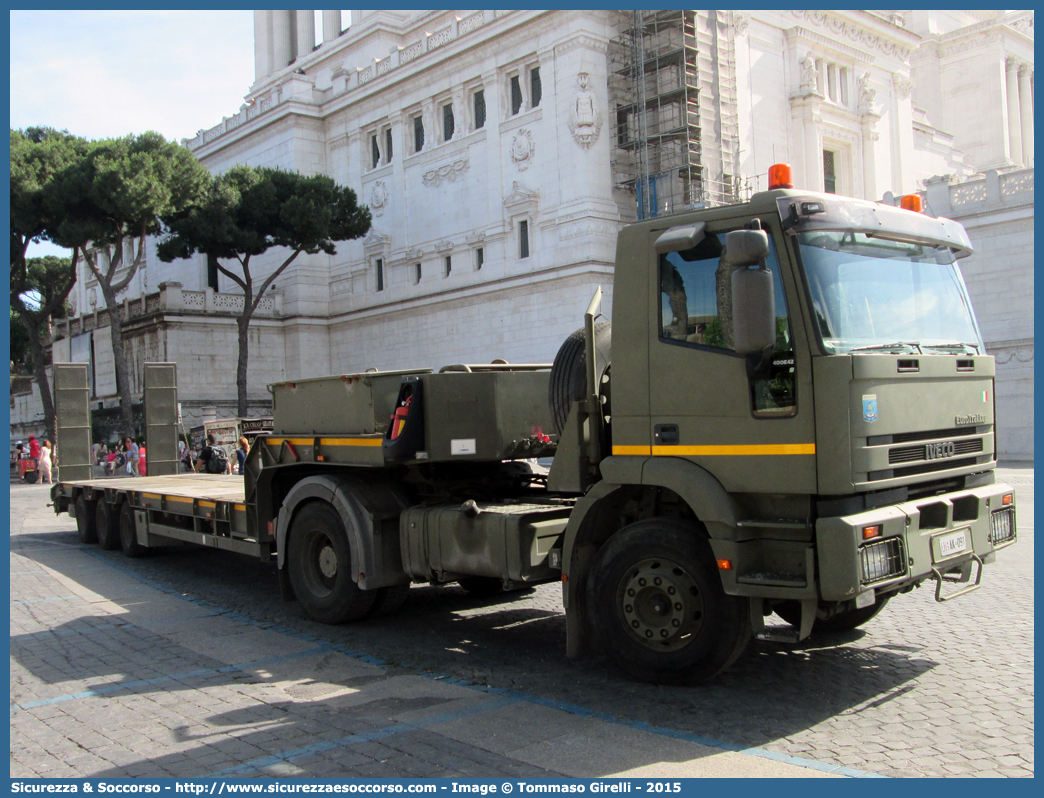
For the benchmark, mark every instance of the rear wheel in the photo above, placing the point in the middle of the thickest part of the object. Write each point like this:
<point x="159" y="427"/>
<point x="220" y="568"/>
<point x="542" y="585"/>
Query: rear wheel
<point x="107" y="525"/>
<point x="790" y="611"/>
<point x="86" y="531"/>
<point x="128" y="533"/>
<point x="659" y="607"/>
<point x="320" y="566"/>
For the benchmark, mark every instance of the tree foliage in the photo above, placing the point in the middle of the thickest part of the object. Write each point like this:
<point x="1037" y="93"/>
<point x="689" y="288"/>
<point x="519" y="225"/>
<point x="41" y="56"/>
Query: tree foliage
<point x="249" y="210"/>
<point x="39" y="158"/>
<point x="107" y="202"/>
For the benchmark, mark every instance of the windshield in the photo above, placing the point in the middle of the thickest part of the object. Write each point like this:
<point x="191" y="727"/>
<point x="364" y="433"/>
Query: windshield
<point x="875" y="295"/>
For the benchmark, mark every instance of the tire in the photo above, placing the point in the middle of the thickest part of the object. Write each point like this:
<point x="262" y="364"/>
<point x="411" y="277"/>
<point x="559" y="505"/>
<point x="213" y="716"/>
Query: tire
<point x="682" y="630"/>
<point x="107" y="525"/>
<point x="320" y="566"/>
<point x="128" y="535"/>
<point x="790" y="611"/>
<point x="388" y="600"/>
<point x="31" y="477"/>
<point x="84" y="510"/>
<point x="568" y="382"/>
<point x="481" y="586"/>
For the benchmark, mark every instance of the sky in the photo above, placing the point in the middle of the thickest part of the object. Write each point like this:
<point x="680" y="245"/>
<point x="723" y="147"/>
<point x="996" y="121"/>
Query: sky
<point x="99" y="74"/>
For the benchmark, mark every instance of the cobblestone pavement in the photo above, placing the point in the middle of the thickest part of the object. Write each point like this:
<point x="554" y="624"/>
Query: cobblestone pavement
<point x="926" y="689"/>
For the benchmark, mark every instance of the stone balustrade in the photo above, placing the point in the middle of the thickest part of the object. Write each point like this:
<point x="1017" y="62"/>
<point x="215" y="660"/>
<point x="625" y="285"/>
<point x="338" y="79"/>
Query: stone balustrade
<point x="345" y="78"/>
<point x="992" y="192"/>
<point x="172" y="299"/>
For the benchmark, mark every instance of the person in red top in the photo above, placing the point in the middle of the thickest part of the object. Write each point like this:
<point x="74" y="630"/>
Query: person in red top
<point x="34" y="446"/>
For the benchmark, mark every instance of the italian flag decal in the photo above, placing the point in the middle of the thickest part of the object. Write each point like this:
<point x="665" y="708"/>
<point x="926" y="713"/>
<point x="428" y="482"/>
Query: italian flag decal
<point x="985" y="396"/>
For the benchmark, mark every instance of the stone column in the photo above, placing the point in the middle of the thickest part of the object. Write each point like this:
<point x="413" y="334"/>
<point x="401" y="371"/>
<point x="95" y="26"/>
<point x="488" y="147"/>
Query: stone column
<point x="305" y="32"/>
<point x="1026" y="112"/>
<point x="331" y="25"/>
<point x="262" y="44"/>
<point x="1014" y="115"/>
<point x="281" y="45"/>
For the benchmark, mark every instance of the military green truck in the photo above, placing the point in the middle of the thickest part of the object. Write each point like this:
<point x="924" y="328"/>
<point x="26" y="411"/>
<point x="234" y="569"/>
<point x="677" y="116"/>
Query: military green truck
<point x="792" y="413"/>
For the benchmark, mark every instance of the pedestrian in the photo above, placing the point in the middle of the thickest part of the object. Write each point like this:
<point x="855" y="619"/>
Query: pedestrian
<point x="111" y="461"/>
<point x="143" y="463"/>
<point x="241" y="455"/>
<point x="185" y="457"/>
<point x="131" y="449"/>
<point x="20" y="460"/>
<point x="210" y="459"/>
<point x="45" y="462"/>
<point x="96" y="453"/>
<point x="34" y="447"/>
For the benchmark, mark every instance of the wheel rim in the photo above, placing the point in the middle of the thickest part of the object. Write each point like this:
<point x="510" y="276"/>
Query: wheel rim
<point x="660" y="604"/>
<point x="324" y="564"/>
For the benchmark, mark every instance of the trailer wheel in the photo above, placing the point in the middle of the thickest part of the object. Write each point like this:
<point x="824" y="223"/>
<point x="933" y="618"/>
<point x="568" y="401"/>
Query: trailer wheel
<point x="107" y="525"/>
<point x="659" y="607"/>
<point x="388" y="600"/>
<point x="790" y="611"/>
<point x="320" y="565"/>
<point x="128" y="534"/>
<point x="481" y="586"/>
<point x="568" y="380"/>
<point x="83" y="510"/>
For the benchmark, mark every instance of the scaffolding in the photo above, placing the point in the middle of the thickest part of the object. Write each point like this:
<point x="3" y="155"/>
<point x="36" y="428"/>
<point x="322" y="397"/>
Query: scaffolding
<point x="672" y="89"/>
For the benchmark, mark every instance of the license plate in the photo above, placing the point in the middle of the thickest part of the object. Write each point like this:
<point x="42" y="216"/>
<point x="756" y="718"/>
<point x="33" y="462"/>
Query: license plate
<point x="951" y="544"/>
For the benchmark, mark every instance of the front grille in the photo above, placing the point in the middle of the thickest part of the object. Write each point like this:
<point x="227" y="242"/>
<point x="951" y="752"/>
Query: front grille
<point x="1002" y="526"/>
<point x="924" y="468"/>
<point x="881" y="560"/>
<point x="928" y="435"/>
<point x="911" y="454"/>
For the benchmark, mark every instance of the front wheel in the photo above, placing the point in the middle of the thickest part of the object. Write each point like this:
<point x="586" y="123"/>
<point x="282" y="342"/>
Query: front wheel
<point x="659" y="607"/>
<point x="320" y="565"/>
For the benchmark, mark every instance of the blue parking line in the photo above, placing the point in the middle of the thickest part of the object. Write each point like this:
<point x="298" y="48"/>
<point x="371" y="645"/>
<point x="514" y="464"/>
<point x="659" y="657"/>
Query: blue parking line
<point x="572" y="709"/>
<point x="41" y="601"/>
<point x="362" y="737"/>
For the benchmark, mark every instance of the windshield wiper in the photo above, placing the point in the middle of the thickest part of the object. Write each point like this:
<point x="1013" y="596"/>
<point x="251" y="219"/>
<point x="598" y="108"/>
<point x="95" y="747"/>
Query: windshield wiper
<point x="912" y="344"/>
<point x="954" y="345"/>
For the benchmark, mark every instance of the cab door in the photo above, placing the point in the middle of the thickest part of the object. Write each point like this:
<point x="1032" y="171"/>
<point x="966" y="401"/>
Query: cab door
<point x="747" y="421"/>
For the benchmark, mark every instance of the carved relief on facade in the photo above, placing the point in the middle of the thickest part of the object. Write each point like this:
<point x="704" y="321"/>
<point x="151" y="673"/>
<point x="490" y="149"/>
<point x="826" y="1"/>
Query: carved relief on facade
<point x="842" y="29"/>
<point x="903" y="85"/>
<point x="378" y="198"/>
<point x="444" y="245"/>
<point x="522" y="149"/>
<point x="413" y="253"/>
<point x="865" y="96"/>
<point x="585" y="119"/>
<point x="447" y="173"/>
<point x="808" y="74"/>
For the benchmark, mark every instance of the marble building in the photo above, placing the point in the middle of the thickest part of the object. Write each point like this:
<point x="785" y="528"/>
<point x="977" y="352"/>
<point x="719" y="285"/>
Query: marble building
<point x="496" y="153"/>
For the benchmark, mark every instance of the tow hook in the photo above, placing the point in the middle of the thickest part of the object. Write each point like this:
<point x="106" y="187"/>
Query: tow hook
<point x="963" y="576"/>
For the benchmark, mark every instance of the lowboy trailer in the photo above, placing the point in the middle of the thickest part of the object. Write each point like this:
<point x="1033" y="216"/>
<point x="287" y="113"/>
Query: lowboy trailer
<point x="795" y="415"/>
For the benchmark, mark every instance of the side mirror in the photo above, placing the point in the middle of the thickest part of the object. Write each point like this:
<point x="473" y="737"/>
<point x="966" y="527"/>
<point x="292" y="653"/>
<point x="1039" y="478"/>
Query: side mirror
<point x="746" y="247"/>
<point x="753" y="310"/>
<point x="682" y="237"/>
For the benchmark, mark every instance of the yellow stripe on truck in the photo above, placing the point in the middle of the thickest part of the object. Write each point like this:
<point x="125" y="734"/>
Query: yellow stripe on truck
<point x="326" y="441"/>
<point x="740" y="450"/>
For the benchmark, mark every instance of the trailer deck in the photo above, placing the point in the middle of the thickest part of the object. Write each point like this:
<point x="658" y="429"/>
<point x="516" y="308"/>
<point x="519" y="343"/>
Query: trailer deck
<point x="205" y="509"/>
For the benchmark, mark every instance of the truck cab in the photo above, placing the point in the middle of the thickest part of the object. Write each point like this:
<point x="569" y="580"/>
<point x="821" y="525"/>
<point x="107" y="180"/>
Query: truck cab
<point x="811" y="416"/>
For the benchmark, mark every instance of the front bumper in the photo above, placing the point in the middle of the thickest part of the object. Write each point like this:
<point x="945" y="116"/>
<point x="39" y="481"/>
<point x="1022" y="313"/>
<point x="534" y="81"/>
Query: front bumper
<point x="917" y="540"/>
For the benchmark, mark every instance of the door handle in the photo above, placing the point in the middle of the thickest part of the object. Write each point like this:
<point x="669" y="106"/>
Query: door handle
<point x="665" y="435"/>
